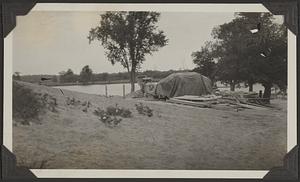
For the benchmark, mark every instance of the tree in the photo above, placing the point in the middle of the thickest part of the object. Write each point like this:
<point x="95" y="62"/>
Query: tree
<point x="251" y="58"/>
<point x="205" y="61"/>
<point x="230" y="52"/>
<point x="67" y="76"/>
<point x="128" y="37"/>
<point x="86" y="74"/>
<point x="269" y="46"/>
<point x="54" y="79"/>
<point x="105" y="76"/>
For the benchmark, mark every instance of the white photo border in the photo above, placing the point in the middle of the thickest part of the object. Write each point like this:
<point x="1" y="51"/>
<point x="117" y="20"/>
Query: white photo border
<point x="95" y="173"/>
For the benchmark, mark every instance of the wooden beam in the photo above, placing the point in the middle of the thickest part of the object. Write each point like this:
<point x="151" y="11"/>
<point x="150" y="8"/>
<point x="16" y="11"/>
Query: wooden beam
<point x="189" y="103"/>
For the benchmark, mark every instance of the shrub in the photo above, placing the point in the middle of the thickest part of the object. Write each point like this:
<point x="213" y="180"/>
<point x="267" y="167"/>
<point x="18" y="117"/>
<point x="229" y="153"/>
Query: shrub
<point x="99" y="112"/>
<point x="111" y="116"/>
<point x="49" y="102"/>
<point x="113" y="111"/>
<point x="72" y="101"/>
<point x="118" y="111"/>
<point x="109" y="120"/>
<point x="26" y="104"/>
<point x="125" y="113"/>
<point x="86" y="103"/>
<point x="144" y="110"/>
<point x="77" y="103"/>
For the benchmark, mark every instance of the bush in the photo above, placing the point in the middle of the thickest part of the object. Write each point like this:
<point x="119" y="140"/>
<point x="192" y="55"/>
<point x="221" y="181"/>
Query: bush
<point x="26" y="104"/>
<point x="72" y="101"/>
<point x="109" y="120"/>
<point x="117" y="111"/>
<point x="144" y="110"/>
<point x="49" y="102"/>
<point x="111" y="117"/>
<point x="113" y="111"/>
<point x="125" y="113"/>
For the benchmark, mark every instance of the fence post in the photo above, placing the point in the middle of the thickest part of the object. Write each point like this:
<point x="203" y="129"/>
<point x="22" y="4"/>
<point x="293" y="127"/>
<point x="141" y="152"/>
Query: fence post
<point x="124" y="91"/>
<point x="105" y="90"/>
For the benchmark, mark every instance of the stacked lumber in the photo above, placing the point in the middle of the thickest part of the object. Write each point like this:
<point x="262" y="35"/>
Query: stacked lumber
<point x="189" y="103"/>
<point x="232" y="100"/>
<point x="198" y="98"/>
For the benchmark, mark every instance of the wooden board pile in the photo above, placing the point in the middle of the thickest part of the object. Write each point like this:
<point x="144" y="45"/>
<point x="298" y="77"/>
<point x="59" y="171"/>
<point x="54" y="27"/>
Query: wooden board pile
<point x="226" y="100"/>
<point x="198" y="101"/>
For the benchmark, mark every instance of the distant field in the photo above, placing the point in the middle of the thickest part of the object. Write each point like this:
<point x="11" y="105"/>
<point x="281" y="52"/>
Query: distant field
<point x="175" y="137"/>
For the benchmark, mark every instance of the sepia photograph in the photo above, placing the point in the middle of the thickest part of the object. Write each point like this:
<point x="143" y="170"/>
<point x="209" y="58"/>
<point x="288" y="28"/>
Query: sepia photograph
<point x="149" y="90"/>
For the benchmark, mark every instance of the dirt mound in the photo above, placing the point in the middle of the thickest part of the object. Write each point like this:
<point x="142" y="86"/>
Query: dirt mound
<point x="29" y="104"/>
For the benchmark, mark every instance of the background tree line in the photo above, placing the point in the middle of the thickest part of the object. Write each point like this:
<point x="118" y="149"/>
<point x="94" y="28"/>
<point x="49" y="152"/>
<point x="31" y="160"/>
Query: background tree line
<point x="250" y="49"/>
<point x="70" y="77"/>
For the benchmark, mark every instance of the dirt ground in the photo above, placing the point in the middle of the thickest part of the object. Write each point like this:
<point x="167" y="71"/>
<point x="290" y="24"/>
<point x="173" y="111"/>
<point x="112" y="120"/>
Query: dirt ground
<point x="176" y="137"/>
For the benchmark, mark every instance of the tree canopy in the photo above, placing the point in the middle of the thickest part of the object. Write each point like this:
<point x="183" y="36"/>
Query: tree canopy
<point x="205" y="61"/>
<point x="244" y="56"/>
<point x="67" y="76"/>
<point x="128" y="37"/>
<point x="86" y="74"/>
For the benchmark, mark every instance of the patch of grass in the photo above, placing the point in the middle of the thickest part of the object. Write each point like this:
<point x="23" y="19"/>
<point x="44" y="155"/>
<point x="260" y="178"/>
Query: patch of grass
<point x="33" y="159"/>
<point x="144" y="110"/>
<point x="33" y="164"/>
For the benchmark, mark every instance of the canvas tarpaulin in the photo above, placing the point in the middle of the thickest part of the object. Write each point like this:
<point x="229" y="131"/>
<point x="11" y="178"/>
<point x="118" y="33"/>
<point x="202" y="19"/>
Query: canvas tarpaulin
<point x="186" y="83"/>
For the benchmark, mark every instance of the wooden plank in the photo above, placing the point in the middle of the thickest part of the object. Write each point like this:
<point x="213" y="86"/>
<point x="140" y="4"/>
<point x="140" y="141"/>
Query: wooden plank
<point x="251" y="106"/>
<point x="197" y="98"/>
<point x="257" y="98"/>
<point x="258" y="104"/>
<point x="244" y="101"/>
<point x="209" y="105"/>
<point x="190" y="103"/>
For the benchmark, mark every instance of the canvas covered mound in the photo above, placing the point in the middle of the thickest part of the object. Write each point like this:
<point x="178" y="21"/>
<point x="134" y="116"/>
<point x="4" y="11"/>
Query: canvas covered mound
<point x="187" y="83"/>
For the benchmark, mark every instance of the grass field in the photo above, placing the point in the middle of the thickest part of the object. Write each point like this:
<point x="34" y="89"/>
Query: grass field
<point x="175" y="137"/>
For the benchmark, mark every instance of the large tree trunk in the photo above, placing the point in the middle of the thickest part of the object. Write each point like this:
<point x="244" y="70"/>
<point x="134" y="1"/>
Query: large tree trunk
<point x="213" y="82"/>
<point x="250" y="86"/>
<point x="232" y="86"/>
<point x="267" y="92"/>
<point x="132" y="80"/>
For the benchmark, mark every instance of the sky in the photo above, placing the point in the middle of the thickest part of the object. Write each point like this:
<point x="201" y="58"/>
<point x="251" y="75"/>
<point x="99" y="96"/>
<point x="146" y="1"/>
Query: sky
<point x="48" y="42"/>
